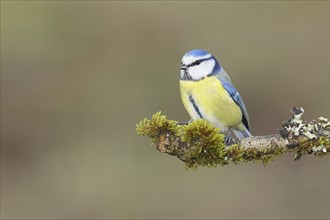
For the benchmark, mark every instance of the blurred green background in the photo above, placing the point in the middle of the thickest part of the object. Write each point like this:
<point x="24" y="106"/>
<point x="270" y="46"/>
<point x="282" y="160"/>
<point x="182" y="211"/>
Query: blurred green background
<point x="77" y="76"/>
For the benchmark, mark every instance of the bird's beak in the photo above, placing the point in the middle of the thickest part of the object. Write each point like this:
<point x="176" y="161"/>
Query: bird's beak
<point x="183" y="66"/>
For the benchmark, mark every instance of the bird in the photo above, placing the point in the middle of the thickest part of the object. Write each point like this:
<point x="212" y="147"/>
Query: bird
<point x="208" y="93"/>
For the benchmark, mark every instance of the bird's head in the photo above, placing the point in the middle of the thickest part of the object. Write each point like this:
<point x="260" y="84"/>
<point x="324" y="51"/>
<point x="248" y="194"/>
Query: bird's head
<point x="198" y="64"/>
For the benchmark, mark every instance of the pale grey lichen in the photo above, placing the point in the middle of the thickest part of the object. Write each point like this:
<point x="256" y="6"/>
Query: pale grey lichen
<point x="319" y="148"/>
<point x="297" y="126"/>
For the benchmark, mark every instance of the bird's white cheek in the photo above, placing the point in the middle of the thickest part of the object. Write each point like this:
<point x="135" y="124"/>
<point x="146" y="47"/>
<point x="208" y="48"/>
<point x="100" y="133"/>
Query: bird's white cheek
<point x="196" y="73"/>
<point x="207" y="66"/>
<point x="202" y="70"/>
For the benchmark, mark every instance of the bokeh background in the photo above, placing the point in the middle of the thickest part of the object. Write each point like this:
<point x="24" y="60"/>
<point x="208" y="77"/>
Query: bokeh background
<point x="77" y="76"/>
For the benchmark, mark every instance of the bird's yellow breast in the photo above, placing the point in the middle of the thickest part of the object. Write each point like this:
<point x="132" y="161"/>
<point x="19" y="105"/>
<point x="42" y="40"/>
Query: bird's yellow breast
<point x="208" y="98"/>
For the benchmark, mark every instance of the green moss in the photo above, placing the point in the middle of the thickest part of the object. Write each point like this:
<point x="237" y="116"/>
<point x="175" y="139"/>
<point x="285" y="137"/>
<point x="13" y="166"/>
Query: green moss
<point x="319" y="147"/>
<point x="199" y="143"/>
<point x="242" y="155"/>
<point x="157" y="125"/>
<point x="205" y="146"/>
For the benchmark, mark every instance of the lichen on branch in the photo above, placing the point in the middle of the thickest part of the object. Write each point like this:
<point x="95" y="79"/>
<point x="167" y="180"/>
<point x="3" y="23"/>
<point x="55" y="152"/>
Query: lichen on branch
<point x="199" y="143"/>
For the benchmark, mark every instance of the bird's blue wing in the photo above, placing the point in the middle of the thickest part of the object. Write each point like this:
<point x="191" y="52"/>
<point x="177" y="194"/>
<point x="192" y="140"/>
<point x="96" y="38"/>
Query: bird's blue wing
<point x="237" y="98"/>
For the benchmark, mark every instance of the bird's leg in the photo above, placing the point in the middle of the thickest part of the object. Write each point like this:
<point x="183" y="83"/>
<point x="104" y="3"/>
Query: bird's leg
<point x="228" y="138"/>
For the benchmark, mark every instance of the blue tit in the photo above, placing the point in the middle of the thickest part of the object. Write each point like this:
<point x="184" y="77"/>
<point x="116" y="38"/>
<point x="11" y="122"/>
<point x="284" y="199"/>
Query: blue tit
<point x="208" y="93"/>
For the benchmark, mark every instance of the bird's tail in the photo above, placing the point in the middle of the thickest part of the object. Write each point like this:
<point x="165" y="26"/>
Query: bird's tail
<point x="242" y="134"/>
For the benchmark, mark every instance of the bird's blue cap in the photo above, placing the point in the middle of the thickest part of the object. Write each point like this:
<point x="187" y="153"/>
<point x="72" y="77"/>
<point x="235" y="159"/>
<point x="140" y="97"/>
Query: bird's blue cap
<point x="197" y="53"/>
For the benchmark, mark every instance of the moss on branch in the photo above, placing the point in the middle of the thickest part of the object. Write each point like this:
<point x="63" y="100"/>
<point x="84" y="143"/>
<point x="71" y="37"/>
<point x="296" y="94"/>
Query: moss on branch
<point x="199" y="143"/>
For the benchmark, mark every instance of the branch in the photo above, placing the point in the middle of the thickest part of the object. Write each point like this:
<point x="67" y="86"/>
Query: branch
<point x="199" y="143"/>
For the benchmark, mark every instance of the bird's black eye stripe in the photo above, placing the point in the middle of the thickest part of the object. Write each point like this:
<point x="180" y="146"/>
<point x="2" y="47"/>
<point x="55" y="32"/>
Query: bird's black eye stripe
<point x="197" y="62"/>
